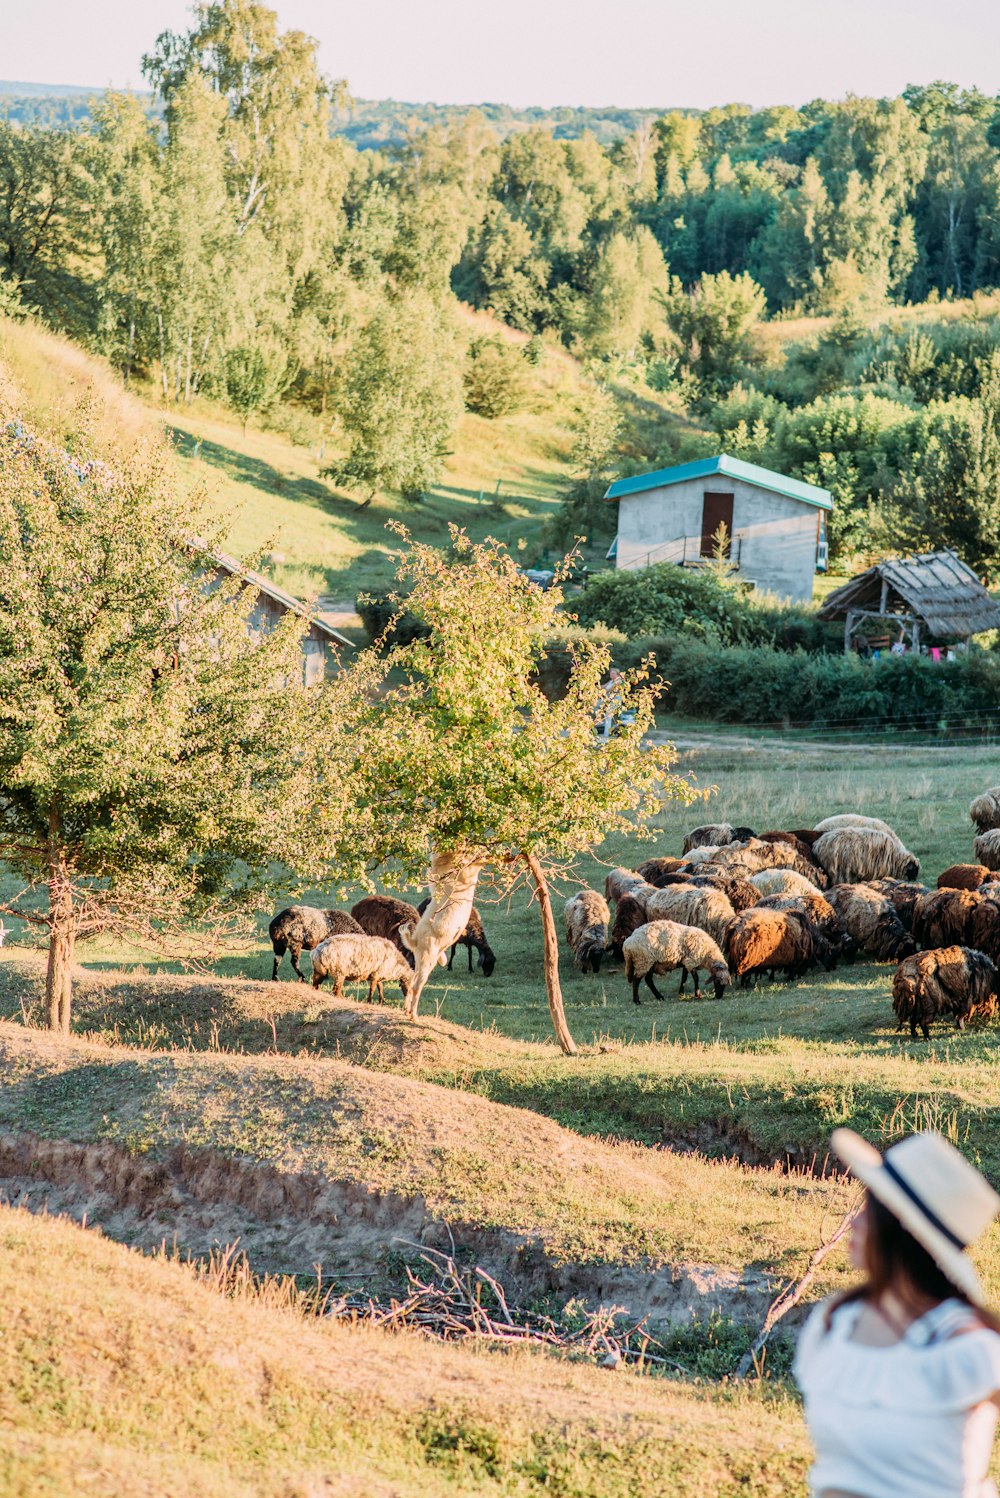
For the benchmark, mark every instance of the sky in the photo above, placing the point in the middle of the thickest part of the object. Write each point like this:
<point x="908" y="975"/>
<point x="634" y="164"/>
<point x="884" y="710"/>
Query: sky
<point x="639" y="53"/>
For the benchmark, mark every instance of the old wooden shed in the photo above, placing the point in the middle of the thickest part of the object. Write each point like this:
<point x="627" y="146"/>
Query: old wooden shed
<point x="273" y="603"/>
<point x="911" y="601"/>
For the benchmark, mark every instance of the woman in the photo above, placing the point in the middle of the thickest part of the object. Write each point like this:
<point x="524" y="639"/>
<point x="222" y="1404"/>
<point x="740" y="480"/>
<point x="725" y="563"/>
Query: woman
<point x="901" y="1375"/>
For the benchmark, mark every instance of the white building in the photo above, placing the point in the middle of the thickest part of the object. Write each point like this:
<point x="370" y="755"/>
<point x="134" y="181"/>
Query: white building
<point x="776" y="525"/>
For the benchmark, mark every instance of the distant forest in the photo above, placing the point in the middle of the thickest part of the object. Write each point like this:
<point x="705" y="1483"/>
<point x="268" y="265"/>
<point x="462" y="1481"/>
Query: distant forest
<point x="234" y="240"/>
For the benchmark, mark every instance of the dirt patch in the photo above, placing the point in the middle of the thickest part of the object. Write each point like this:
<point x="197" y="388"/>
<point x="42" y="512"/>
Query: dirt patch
<point x="197" y="1200"/>
<point x="722" y="1141"/>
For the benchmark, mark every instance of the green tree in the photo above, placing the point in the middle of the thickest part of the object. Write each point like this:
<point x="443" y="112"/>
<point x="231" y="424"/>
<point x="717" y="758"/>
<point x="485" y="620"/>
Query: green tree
<point x="626" y="298"/>
<point x="255" y="374"/>
<point x="494" y="378"/>
<point x="468" y="759"/>
<point x="400" y="398"/>
<point x="713" y="325"/>
<point x="160" y="759"/>
<point x="44" y="225"/>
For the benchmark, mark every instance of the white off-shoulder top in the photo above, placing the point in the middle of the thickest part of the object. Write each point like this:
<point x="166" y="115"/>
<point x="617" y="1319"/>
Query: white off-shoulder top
<point x="914" y="1418"/>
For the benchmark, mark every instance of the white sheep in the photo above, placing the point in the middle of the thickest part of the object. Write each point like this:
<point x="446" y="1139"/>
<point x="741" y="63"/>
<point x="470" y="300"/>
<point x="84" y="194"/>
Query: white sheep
<point x="855" y="855"/>
<point x="361" y="959"/>
<point x="715" y="834"/>
<point x="852" y="819"/>
<point x="692" y="905"/>
<point x="587" y="918"/>
<point x="664" y="946"/>
<point x="987" y="847"/>
<point x="783" y="882"/>
<point x="620" y="882"/>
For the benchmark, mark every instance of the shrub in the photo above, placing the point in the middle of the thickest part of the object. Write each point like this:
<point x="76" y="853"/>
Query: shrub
<point x="376" y="616"/>
<point x="494" y="378"/>
<point x="667" y="599"/>
<point x="555" y="665"/>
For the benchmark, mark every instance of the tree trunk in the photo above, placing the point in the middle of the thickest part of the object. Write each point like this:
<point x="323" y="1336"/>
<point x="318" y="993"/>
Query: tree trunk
<point x="62" y="943"/>
<point x="551" y="940"/>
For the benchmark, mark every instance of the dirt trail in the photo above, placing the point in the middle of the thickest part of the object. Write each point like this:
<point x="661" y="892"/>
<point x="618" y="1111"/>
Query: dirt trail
<point x="197" y="1200"/>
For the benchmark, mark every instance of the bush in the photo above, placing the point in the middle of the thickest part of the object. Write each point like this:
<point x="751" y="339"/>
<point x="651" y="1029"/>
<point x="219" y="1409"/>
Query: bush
<point x="494" y="378"/>
<point x="554" y="667"/>
<point x="666" y="599"/>
<point x="757" y="685"/>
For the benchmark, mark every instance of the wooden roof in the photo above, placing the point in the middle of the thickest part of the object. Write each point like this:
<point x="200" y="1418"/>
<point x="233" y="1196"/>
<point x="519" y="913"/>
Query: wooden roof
<point x="938" y="589"/>
<point x="235" y="568"/>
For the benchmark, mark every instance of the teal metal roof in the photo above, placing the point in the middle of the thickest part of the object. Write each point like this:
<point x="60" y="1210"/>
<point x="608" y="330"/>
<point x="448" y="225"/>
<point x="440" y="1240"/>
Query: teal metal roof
<point x="733" y="468"/>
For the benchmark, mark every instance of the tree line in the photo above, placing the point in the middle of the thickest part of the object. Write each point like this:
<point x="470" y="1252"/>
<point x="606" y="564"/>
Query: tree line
<point x="231" y="242"/>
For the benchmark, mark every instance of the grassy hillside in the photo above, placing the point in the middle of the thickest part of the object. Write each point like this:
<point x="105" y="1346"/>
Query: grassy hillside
<point x="159" y="1386"/>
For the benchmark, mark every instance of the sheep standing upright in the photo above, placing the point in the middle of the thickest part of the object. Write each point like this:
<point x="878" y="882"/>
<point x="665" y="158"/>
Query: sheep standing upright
<point x="963" y="876"/>
<point x="473" y="937"/>
<point x="951" y="980"/>
<point x="587" y="918"/>
<point x="452" y="879"/>
<point x="301" y="928"/>
<point x="665" y="946"/>
<point x="692" y="905"/>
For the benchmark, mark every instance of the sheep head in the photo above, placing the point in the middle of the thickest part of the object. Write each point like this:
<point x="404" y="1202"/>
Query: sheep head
<point x="719" y="974"/>
<point x="487" y="961"/>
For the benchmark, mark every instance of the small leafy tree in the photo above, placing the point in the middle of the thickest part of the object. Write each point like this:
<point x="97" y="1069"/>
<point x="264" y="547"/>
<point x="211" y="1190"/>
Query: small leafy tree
<point x="713" y="325"/>
<point x="159" y="760"/>
<point x="494" y="378"/>
<point x="467" y="756"/>
<point x="400" y="398"/>
<point x="256" y="374"/>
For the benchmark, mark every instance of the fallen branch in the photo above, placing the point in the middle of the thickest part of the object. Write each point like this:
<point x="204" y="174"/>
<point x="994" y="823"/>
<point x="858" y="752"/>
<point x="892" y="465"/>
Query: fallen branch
<point x="792" y="1294"/>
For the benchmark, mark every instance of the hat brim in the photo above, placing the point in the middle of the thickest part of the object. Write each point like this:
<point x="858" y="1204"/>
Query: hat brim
<point x="864" y="1161"/>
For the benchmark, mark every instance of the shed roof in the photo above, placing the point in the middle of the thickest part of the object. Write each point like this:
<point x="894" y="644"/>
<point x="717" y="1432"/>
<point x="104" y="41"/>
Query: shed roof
<point x="944" y="593"/>
<point x="235" y="568"/>
<point x="734" y="468"/>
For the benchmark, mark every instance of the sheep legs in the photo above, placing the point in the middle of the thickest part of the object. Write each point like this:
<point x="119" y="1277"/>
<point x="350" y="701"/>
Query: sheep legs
<point x="685" y="975"/>
<point x="295" y="955"/>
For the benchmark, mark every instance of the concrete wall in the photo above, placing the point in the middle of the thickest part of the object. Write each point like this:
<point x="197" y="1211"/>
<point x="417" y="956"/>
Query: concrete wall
<point x="777" y="535"/>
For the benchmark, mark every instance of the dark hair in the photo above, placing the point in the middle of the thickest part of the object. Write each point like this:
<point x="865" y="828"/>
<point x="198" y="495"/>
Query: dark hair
<point x="895" y="1260"/>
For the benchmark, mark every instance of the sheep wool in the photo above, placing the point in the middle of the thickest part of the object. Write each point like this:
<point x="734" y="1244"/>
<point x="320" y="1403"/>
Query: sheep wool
<point x="301" y="928"/>
<point x="984" y="810"/>
<point x="854" y="855"/>
<point x="715" y="835"/>
<point x="952" y="980"/>
<point x="361" y="959"/>
<point x="987" y="846"/>
<point x="783" y="882"/>
<point x="587" y="918"/>
<point x="963" y="876"/>
<point x="852" y="819"/>
<point x="774" y="941"/>
<point x="692" y="905"/>
<point x="663" y="947"/>
<point x="868" y="916"/>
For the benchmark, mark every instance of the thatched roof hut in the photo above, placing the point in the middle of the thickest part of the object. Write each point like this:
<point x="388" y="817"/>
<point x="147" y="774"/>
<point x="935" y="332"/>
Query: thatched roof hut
<point x="935" y="596"/>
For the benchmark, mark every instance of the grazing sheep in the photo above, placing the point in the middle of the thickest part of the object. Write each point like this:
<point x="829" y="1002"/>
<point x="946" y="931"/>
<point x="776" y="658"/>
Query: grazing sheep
<point x="361" y="959"/>
<point x="852" y="819"/>
<point x="474" y="935"/>
<point x="773" y="941"/>
<point x="714" y="835"/>
<point x="740" y="893"/>
<point x="656" y="869"/>
<point x="952" y="980"/>
<point x="984" y="923"/>
<point x="691" y="905"/>
<point x="871" y="920"/>
<point x="903" y="894"/>
<point x="985" y="810"/>
<point x="750" y="858"/>
<point x="963" y="876"/>
<point x="665" y="946"/>
<point x="301" y="928"/>
<point x="942" y="917"/>
<point x="854" y="855"/>
<point x="587" y="919"/>
<point x="792" y="840"/>
<point x="807" y="835"/>
<point x="384" y="915"/>
<point x="783" y="882"/>
<point x="622" y="882"/>
<point x="452" y="879"/>
<point x="823" y="916"/>
<point x="987" y="847"/>
<point x="630" y="914"/>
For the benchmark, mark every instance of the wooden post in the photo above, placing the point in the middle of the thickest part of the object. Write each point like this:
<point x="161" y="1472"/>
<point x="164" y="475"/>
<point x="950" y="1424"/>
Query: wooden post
<point x="848" y="626"/>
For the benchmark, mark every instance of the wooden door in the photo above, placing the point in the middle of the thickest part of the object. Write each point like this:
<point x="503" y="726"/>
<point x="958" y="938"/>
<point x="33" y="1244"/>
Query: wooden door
<point x="717" y="510"/>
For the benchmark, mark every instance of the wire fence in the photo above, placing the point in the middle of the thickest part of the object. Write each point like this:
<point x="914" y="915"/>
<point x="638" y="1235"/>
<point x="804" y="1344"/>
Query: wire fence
<point x="981" y="726"/>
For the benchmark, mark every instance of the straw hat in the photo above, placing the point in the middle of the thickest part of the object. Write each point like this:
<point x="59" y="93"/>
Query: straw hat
<point x="935" y="1193"/>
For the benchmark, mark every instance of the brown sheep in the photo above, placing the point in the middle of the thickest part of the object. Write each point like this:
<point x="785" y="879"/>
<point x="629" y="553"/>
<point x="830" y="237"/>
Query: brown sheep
<point x="383" y="915"/>
<point x="792" y="840"/>
<point x="587" y="917"/>
<point x="630" y="914"/>
<point x="654" y="869"/>
<point x="740" y="893"/>
<point x="822" y="914"/>
<point x="760" y="941"/>
<point x="903" y="896"/>
<point x="951" y="980"/>
<point x="963" y="876"/>
<point x="942" y="917"/>
<point x="870" y="919"/>
<point x="807" y="835"/>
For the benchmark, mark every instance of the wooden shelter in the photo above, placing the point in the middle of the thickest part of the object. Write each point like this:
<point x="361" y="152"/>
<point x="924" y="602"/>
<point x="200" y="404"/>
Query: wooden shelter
<point x="913" y="599"/>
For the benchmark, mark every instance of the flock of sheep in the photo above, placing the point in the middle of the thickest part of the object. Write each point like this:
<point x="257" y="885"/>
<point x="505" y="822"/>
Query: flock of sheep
<point x="734" y="905"/>
<point x="739" y="904"/>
